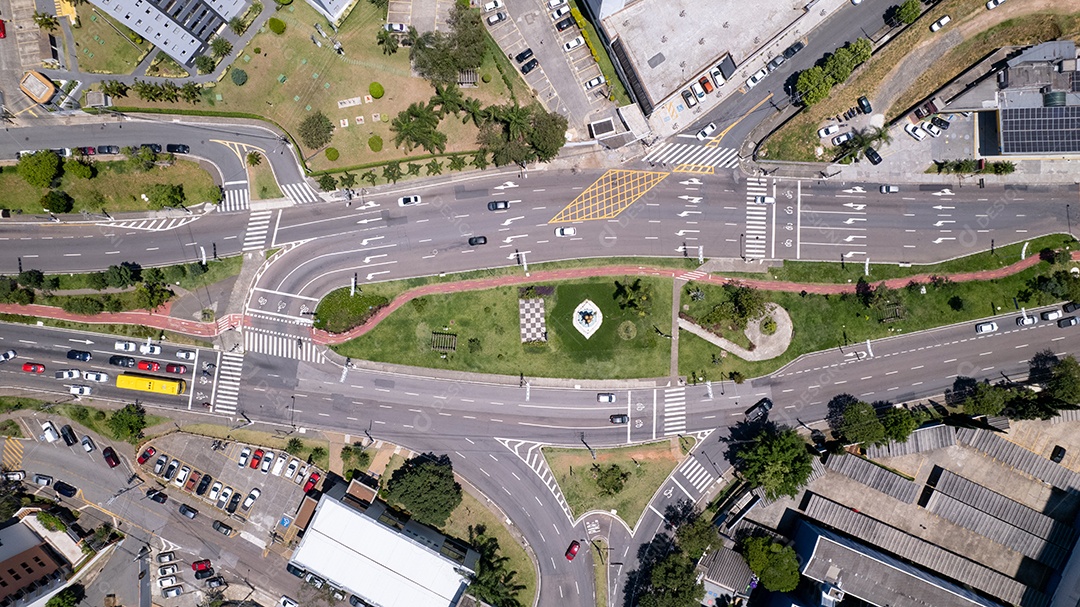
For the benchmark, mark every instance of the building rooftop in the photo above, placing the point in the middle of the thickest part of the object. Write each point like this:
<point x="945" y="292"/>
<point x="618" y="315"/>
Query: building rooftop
<point x="16" y="539"/>
<point x="728" y="570"/>
<point x="147" y="20"/>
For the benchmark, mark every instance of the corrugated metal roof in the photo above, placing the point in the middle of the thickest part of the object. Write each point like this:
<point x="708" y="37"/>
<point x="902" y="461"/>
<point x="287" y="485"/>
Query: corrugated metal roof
<point x="727" y="569"/>
<point x="1017" y="457"/>
<point x="937" y="436"/>
<point x="816" y="471"/>
<point x="874" y="476"/>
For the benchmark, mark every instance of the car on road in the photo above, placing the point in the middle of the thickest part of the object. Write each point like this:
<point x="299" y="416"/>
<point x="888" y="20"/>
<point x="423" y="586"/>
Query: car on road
<point x="186" y="354"/>
<point x="110" y="457"/>
<point x="565" y="24"/>
<point x="43" y="479"/>
<point x="65" y="489"/>
<point x="204" y="484"/>
<point x="986" y="327"/>
<point x="80" y="390"/>
<point x="233" y="503"/>
<point x="79" y="355"/>
<point x="1026" y="321"/>
<point x="159" y="465"/>
<point x="157" y="496"/>
<point x="167" y="570"/>
<point x="573" y="44"/>
<point x="153" y="147"/>
<point x="14" y="475"/>
<point x="146" y="455"/>
<point x="256" y="459"/>
<point x="889" y="189"/>
<point x="291" y="470"/>
<point x="605" y="397"/>
<point x="170" y="472"/>
<point x="86" y="151"/>
<point x="915" y="131"/>
<point x="1052" y="315"/>
<point x="793" y="49"/>
<point x="203" y="565"/>
<point x="250" y="499"/>
<point x="122" y="361"/>
<point x="166" y="557"/>
<point x="215" y="490"/>
<point x="177" y="148"/>
<point x="33" y="368"/>
<point x="1068" y="321"/>
<point x="87" y="444"/>
<point x="245" y="455"/>
<point x="939" y="122"/>
<point x="992" y="4"/>
<point x="707" y="130"/>
<point x="530" y="66"/>
<point x="188" y="511"/>
<point x="267" y="461"/>
<point x="396" y="28"/>
<point x="96" y="376"/>
<point x="6" y="356"/>
<point x="864" y="105"/>
<point x="108" y="149"/>
<point x="182" y="476"/>
<point x="1058" y="453"/>
<point x="764" y="200"/>
<point x="564" y="232"/>
<point x="572" y="550"/>
<point x="223" y="499"/>
<point x="67" y="374"/>
<point x="873" y="156"/>
<point x="1070" y="307"/>
<point x="523" y="55"/>
<point x="126" y="346"/>
<point x="68" y="435"/>
<point x="151" y="349"/>
<point x="294" y="570"/>
<point x="222" y="528"/>
<point x="3" y="29"/>
<point x="758" y="76"/>
<point x="940" y="23"/>
<point x="405" y="201"/>
<point x="48" y="432"/>
<point x="759" y="410"/>
<point x="842" y="138"/>
<point x="560" y="13"/>
<point x="776" y="62"/>
<point x="497" y="18"/>
<point x="595" y="82"/>
<point x="476" y="241"/>
<point x="830" y="130"/>
<point x="178" y="369"/>
<point x="312" y="481"/>
<point x="172" y="591"/>
<point x="149" y="365"/>
<point x="619" y="418"/>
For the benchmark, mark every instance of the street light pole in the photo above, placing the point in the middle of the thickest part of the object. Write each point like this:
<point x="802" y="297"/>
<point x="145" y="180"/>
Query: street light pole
<point x="1068" y="218"/>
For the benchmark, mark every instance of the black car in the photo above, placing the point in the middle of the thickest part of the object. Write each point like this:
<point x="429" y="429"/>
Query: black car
<point x="477" y="240"/>
<point x="65" y="489"/>
<point x="1070" y="307"/>
<point x="68" y="435"/>
<point x="79" y="355"/>
<point x="530" y="66"/>
<point x="1058" y="454"/>
<point x="222" y="528"/>
<point x="203" y="484"/>
<point x="157" y="496"/>
<point x="188" y="511"/>
<point x="108" y="149"/>
<point x="864" y="105"/>
<point x="498" y="205"/>
<point x="122" y="361"/>
<point x="564" y="24"/>
<point x="177" y="148"/>
<point x="940" y="123"/>
<point x="205" y="573"/>
<point x="523" y="55"/>
<point x="759" y="410"/>
<point x="1068" y="321"/>
<point x="794" y="48"/>
<point x="155" y="148"/>
<point x="873" y="156"/>
<point x="233" y="503"/>
<point x="619" y="418"/>
<point x="293" y="569"/>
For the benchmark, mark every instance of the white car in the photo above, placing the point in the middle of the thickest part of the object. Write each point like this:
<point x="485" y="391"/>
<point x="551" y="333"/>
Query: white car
<point x="564" y="232"/>
<point x="186" y="354"/>
<point x="764" y="200"/>
<point x="405" y="201"/>
<point x="267" y="461"/>
<point x="150" y="349"/>
<point x="498" y="17"/>
<point x="167" y="581"/>
<point x="79" y="390"/>
<point x="828" y="131"/>
<point x="842" y="138"/>
<point x="560" y="13"/>
<point x="704" y="133"/>
<point x="555" y="3"/>
<point x="940" y="23"/>
<point x="172" y="591"/>
<point x="396" y="28"/>
<point x="291" y="470"/>
<point x="696" y="89"/>
<point x="278" y="465"/>
<point x="717" y="76"/>
<point x="68" y="374"/>
<point x="6" y="356"/>
<point x="125" y="346"/>
<point x="1026" y="321"/>
<point x="87" y="444"/>
<point x="167" y="570"/>
<point x="300" y="475"/>
<point x="992" y="4"/>
<point x="250" y="499"/>
<point x="573" y="44"/>
<point x="494" y="5"/>
<point x="97" y="376"/>
<point x="285" y="601"/>
<point x="182" y="476"/>
<point x="595" y="82"/>
<point x="915" y="131"/>
<point x="986" y="327"/>
<point x="223" y="499"/>
<point x="215" y="490"/>
<point x="752" y="81"/>
<point x="889" y="189"/>
<point x="931" y="128"/>
<point x="49" y="433"/>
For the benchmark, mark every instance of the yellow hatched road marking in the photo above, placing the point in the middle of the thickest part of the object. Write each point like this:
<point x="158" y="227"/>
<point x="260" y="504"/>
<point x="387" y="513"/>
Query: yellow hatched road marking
<point x="701" y="169"/>
<point x="13" y="452"/>
<point x="609" y="195"/>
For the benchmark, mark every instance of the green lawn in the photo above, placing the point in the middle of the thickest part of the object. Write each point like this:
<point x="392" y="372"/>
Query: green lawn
<point x="340" y="311"/>
<point x="10" y="428"/>
<point x="600" y="568"/>
<point x="164" y="66"/>
<point x="101" y="48"/>
<point x="97" y="420"/>
<point x="263" y="184"/>
<point x="491" y="317"/>
<point x="115" y="188"/>
<point x="648" y="466"/>
<point x="216" y="271"/>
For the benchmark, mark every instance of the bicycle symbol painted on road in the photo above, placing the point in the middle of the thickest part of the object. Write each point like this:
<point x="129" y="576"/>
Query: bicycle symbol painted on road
<point x="787" y="243"/>
<point x="638" y="423"/>
<point x="789" y="226"/>
<point x="640" y="406"/>
<point x="262" y="301"/>
<point x="789" y="210"/>
<point x="668" y="493"/>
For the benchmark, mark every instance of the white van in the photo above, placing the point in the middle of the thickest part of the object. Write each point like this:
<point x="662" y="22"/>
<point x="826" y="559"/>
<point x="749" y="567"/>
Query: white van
<point x="493" y="5"/>
<point x="49" y="432"/>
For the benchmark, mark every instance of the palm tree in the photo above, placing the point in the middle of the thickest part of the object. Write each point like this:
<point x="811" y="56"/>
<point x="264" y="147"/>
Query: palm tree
<point x="457" y="162"/>
<point x="448" y="98"/>
<point x="220" y="47"/>
<point x="392" y="171"/>
<point x="414" y="169"/>
<point x="46" y="21"/>
<point x="474" y="111"/>
<point x="370" y="177"/>
<point x="480" y="160"/>
<point x="516" y="119"/>
<point x="236" y="25"/>
<point x="114" y="88"/>
<point x="434" y="167"/>
<point x="169" y="91"/>
<point x="190" y="92"/>
<point x="387" y="41"/>
<point x="205" y="64"/>
<point x="254" y="159"/>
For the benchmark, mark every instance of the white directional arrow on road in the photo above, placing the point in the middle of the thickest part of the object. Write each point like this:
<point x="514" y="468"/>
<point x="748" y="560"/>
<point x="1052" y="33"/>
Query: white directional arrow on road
<point x="855" y="206"/>
<point x="685" y="232"/>
<point x="945" y="192"/>
<point x="943" y="239"/>
<point x="851" y="220"/>
<point x="513" y="219"/>
<point x="81" y="341"/>
<point x="685" y="213"/>
<point x="691" y="199"/>
<point x="507" y="185"/>
<point x="509" y="238"/>
<point x="853" y="237"/>
<point x="691" y="181"/>
<point x="365" y="241"/>
<point x="942" y="222"/>
<point x="374" y="274"/>
<point x="517" y="254"/>
<point x="370" y="257"/>
<point x="939" y="207"/>
<point x="369" y="220"/>
<point x="850" y="254"/>
<point x="855" y="190"/>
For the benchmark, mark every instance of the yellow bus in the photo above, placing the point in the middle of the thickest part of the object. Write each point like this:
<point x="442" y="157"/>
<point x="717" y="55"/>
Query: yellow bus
<point x="147" y="383"/>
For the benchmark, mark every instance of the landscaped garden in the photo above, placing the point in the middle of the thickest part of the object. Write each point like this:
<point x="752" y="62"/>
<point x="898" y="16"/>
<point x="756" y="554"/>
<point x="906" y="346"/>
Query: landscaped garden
<point x="104" y="46"/>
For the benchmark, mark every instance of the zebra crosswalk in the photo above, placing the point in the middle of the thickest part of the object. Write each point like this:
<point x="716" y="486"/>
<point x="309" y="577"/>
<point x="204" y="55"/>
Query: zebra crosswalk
<point x="257" y="229"/>
<point x="237" y="199"/>
<point x="695" y="154"/>
<point x="756" y="219"/>
<point x="300" y="192"/>
<point x="692" y="275"/>
<point x="283" y="345"/>
<point x="697" y="475"/>
<point x="152" y="225"/>
<point x="228" y="383"/>
<point x="674" y="411"/>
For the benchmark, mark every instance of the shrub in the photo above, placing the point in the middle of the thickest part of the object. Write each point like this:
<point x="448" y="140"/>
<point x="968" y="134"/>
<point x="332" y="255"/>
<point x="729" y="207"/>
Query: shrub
<point x="316" y="131"/>
<point x="768" y="326"/>
<point x="82" y="305"/>
<point x="76" y="168"/>
<point x="276" y="25"/>
<point x="258" y="50"/>
<point x="239" y="76"/>
<point x="284" y="2"/>
<point x="57" y="201"/>
<point x="486" y="78"/>
<point x="375" y="143"/>
<point x="376" y="90"/>
<point x="332" y="154"/>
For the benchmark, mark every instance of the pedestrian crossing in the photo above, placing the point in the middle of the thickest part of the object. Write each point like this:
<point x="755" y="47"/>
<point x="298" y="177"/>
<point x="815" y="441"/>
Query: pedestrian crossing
<point x="151" y="225"/>
<point x="696" y="474"/>
<point x="530" y="453"/>
<point x="693" y="154"/>
<point x="674" y="411"/>
<point x="13" y="452"/>
<point x="257" y="229"/>
<point x="300" y="192"/>
<point x="228" y="383"/>
<point x="692" y="275"/>
<point x="283" y="345"/>
<point x="756" y="219"/>
<point x="237" y="199"/>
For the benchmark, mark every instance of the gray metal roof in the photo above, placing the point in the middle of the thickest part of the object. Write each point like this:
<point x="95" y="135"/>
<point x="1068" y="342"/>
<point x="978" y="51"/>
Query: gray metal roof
<point x="727" y="569"/>
<point x="1052" y="52"/>
<point x="922" y="553"/>
<point x="1019" y="458"/>
<point x="874" y="476"/>
<point x="817" y="469"/>
<point x="937" y="436"/>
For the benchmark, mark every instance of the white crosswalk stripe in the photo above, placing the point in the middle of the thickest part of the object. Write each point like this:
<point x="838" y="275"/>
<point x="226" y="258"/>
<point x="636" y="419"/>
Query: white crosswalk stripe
<point x="674" y="411"/>
<point x="257" y="229"/>
<point x="689" y="153"/>
<point x="529" y="452"/>
<point x="697" y="474"/>
<point x="151" y="225"/>
<point x="300" y="192"/>
<point x="236" y="199"/>
<point x="283" y="345"/>
<point x="228" y="383"/>
<point x="756" y="219"/>
<point x="692" y="275"/>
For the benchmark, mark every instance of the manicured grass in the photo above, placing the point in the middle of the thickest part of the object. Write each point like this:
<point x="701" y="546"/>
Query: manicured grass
<point x="93" y="420"/>
<point x="600" y="567"/>
<point x="115" y="188"/>
<point x="821" y="322"/>
<point x="10" y="428"/>
<point x="164" y="66"/>
<point x="113" y="52"/>
<point x="127" y="300"/>
<point x="396" y="461"/>
<point x="472" y="512"/>
<point x="216" y="271"/>
<point x="491" y="316"/>
<point x="648" y="466"/>
<point x="263" y="184"/>
<point x="265" y="439"/>
<point x="340" y="311"/>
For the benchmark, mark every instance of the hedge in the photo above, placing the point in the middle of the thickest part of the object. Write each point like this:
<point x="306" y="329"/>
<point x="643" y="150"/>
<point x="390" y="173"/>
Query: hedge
<point x="376" y="90"/>
<point x="375" y="143"/>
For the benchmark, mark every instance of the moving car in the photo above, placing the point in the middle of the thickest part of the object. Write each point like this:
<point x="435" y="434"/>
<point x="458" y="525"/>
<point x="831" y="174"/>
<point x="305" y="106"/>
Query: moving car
<point x="79" y="390"/>
<point x="67" y="374"/>
<point x="564" y="232"/>
<point x="250" y="499"/>
<point x="186" y="355"/>
<point x="530" y="66"/>
<point x="33" y="368"/>
<point x="110" y="457"/>
<point x="222" y="528"/>
<point x="595" y="82"/>
<point x="605" y="397"/>
<point x="188" y="511"/>
<point x="829" y="130"/>
<point x="620" y="418"/>
<point x="759" y="410"/>
<point x="705" y="132"/>
<point x="915" y="131"/>
<point x="97" y="376"/>
<point x="498" y="205"/>
<point x="752" y="81"/>
<point x="149" y="365"/>
<point x="523" y="55"/>
<point x="940" y="23"/>
<point x="572" y="550"/>
<point x="764" y="200"/>
<point x="873" y="156"/>
<point x="6" y="356"/>
<point x="476" y="241"/>
<point x="79" y="355"/>
<point x="573" y="44"/>
<point x="122" y="361"/>
<point x="405" y="201"/>
<point x="178" y="369"/>
<point x="151" y="349"/>
<point x="312" y="481"/>
<point x="889" y="189"/>
<point x="157" y="496"/>
<point x="65" y="489"/>
<point x="496" y="18"/>
<point x="986" y="327"/>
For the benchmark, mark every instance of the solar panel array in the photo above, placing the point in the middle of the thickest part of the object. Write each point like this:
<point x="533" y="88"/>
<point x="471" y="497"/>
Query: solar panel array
<point x="874" y="476"/>
<point x="1038" y="130"/>
<point x="1017" y="457"/>
<point x="929" y="438"/>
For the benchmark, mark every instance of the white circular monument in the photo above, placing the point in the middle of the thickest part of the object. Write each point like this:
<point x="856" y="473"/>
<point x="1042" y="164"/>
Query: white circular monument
<point x="587" y="318"/>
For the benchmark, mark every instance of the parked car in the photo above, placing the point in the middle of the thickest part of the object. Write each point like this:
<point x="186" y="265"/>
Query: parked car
<point x="279" y="465"/>
<point x="565" y="24"/>
<point x="573" y="43"/>
<point x="177" y="148"/>
<point x="531" y="65"/>
<point x="794" y="48"/>
<point x="915" y="131"/>
<point x="178" y="369"/>
<point x="758" y="76"/>
<point x="150" y="349"/>
<point x="172" y="591"/>
<point x="864" y="105"/>
<point x="250" y="499"/>
<point x="717" y="76"/>
<point x="110" y="457"/>
<point x="776" y="62"/>
<point x="1070" y="307"/>
<point x="108" y="149"/>
<point x="48" y="432"/>
<point x="311" y="481"/>
<point x="595" y="82"/>
<point x="493" y="5"/>
<point x="65" y="489"/>
<point x="560" y="13"/>
<point x="167" y="581"/>
<point x="829" y="130"/>
<point x="215" y="490"/>
<point x="940" y="23"/>
<point x="68" y="435"/>
<point x="992" y="4"/>
<point x="14" y="475"/>
<point x="43" y="479"/>
<point x="704" y="133"/>
<point x="523" y="55"/>
<point x="233" y="503"/>
<point x="1026" y="320"/>
<point x="167" y="570"/>
<point x="33" y="368"/>
<point x="215" y="582"/>
<point x="223" y="499"/>
<point x="396" y="28"/>
<point x="986" y="327"/>
<point x="498" y="17"/>
<point x="204" y="484"/>
<point x="291" y="470"/>
<point x="697" y="90"/>
<point x="245" y="455"/>
<point x="939" y="122"/>
<point x="166" y="557"/>
<point x="153" y="147"/>
<point x="170" y="472"/>
<point x="1058" y="453"/>
<point x="256" y="459"/>
<point x="1068" y="321"/>
<point x="189" y="486"/>
<point x="87" y="444"/>
<point x="182" y="476"/>
<point x="159" y="465"/>
<point x="688" y="98"/>
<point x="842" y="138"/>
<point x="146" y="455"/>
<point x="1052" y="314"/>
<point x="267" y="461"/>
<point x="203" y="565"/>
<point x="873" y="156"/>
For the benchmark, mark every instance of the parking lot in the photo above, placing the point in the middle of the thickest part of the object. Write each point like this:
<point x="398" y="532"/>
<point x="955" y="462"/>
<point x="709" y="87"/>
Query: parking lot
<point x="906" y="156"/>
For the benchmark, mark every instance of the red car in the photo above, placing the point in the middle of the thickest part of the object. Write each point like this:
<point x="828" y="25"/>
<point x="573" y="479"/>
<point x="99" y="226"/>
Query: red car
<point x="256" y="458"/>
<point x="150" y="451"/>
<point x="180" y="369"/>
<point x="571" y="552"/>
<point x="110" y="457"/>
<point x="148" y="365"/>
<point x="310" y="484"/>
<point x="33" y="368"/>
<point x="90" y="151"/>
<point x="202" y="565"/>
<point x="3" y="32"/>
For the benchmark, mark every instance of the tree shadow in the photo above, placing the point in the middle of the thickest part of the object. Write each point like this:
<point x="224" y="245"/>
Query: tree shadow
<point x="679" y="513"/>
<point x="837" y="405"/>
<point x="963" y="387"/>
<point x="1041" y="366"/>
<point x="648" y="555"/>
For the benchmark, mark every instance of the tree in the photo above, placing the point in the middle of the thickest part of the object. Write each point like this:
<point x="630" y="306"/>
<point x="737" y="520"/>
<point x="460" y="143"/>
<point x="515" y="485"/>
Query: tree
<point x="985" y="399"/>
<point x="127" y="423"/>
<point x="392" y="171"/>
<point x="370" y="177"/>
<point x="163" y="195"/>
<point x="747" y="303"/>
<point x="673" y="583"/>
<point x="46" y="21"/>
<point x="468" y="36"/>
<point x="152" y="295"/>
<point x="220" y="47"/>
<point x="634" y="296"/>
<point x="57" y="201"/>
<point x="448" y="99"/>
<point x="140" y="158"/>
<point x="32" y="279"/>
<point x="494" y="583"/>
<point x="327" y="182"/>
<point x="776" y="565"/>
<point x="205" y="64"/>
<point x="236" y="25"/>
<point x="238" y="76"/>
<point x="776" y="460"/>
<point x="347" y="180"/>
<point x="547" y="134"/>
<point x="418" y="125"/>
<point x="388" y="41"/>
<point x="80" y="167"/>
<point x="254" y="159"/>
<point x="9" y="499"/>
<point x="899" y="423"/>
<point x="474" y="111"/>
<point x="425" y="486"/>
<point x="1064" y="383"/>
<point x="860" y="424"/>
<point x="114" y="88"/>
<point x="697" y="535"/>
<point x="813" y="85"/>
<point x="480" y="160"/>
<point x="610" y="479"/>
<point x="434" y="167"/>
<point x="457" y="162"/>
<point x="861" y="50"/>
<point x="65" y="598"/>
<point x="122" y="275"/>
<point x="190" y="92"/>
<point x="908" y="12"/>
<point x="39" y="169"/>
<point x="316" y="131"/>
<point x="839" y="65"/>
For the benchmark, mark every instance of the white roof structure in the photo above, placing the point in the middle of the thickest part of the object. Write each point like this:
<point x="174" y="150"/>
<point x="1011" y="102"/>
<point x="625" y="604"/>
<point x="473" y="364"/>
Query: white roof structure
<point x="146" y="20"/>
<point x="357" y="553"/>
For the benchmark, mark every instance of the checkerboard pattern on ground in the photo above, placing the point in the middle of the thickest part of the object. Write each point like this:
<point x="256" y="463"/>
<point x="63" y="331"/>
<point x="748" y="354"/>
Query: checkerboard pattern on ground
<point x="531" y="315"/>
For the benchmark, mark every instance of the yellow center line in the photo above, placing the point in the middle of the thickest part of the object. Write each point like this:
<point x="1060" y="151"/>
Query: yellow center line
<point x="716" y="140"/>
